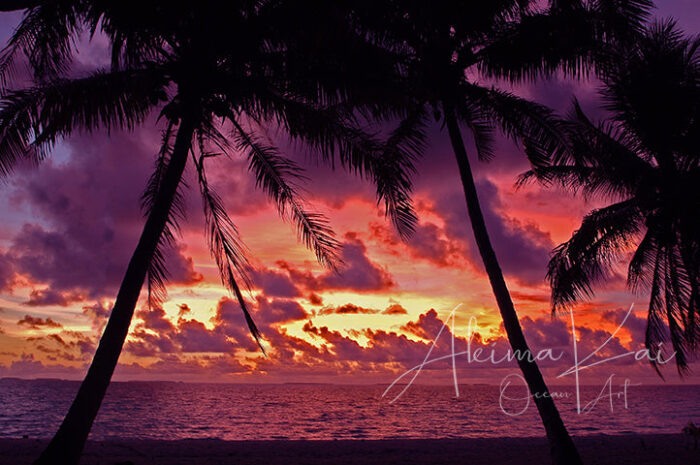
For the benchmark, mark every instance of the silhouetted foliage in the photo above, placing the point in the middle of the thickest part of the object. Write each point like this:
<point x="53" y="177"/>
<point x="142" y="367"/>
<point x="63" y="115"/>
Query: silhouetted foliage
<point x="645" y="160"/>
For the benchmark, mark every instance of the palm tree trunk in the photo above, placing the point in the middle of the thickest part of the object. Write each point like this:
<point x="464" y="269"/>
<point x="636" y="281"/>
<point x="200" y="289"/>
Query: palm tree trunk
<point x="562" y="446"/>
<point x="67" y="445"/>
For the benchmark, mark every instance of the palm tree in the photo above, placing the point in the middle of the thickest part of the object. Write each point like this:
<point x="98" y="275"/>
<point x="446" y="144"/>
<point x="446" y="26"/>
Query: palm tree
<point x="644" y="160"/>
<point x="214" y="74"/>
<point x="440" y="46"/>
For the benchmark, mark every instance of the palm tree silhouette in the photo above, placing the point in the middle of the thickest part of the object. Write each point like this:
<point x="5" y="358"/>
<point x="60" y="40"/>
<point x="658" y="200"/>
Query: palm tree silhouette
<point x="440" y="45"/>
<point x="644" y="160"/>
<point x="215" y="74"/>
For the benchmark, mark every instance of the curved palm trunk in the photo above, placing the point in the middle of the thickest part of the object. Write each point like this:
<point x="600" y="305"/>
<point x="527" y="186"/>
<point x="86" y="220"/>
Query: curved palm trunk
<point x="562" y="446"/>
<point x="67" y="445"/>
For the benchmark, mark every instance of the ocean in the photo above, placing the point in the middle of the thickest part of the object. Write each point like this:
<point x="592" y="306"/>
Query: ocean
<point x="167" y="410"/>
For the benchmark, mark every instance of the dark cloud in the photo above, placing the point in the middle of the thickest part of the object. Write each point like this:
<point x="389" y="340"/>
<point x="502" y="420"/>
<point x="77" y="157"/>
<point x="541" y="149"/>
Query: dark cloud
<point x="351" y="309"/>
<point x="315" y="299"/>
<point x="147" y="344"/>
<point x="395" y="309"/>
<point x="39" y="298"/>
<point x="274" y="284"/>
<point x="274" y="311"/>
<point x="87" y="219"/>
<point x="347" y="309"/>
<point x="67" y="345"/>
<point x="635" y="326"/>
<point x="155" y="320"/>
<point x="230" y="321"/>
<point x="522" y="249"/>
<point x="429" y="242"/>
<point x="546" y="332"/>
<point x="333" y="353"/>
<point x="7" y="274"/>
<point x="180" y="267"/>
<point x="183" y="309"/>
<point x="27" y="365"/>
<point x="38" y="323"/>
<point x="157" y="334"/>
<point x="193" y="336"/>
<point x="427" y="326"/>
<point x="357" y="273"/>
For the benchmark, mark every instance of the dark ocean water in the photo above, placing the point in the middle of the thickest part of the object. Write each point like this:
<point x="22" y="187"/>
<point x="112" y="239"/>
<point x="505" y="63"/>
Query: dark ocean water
<point x="161" y="410"/>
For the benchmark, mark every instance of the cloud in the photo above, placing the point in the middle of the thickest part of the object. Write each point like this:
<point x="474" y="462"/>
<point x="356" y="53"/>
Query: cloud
<point x="38" y="323"/>
<point x="97" y="314"/>
<point x="522" y="248"/>
<point x="634" y="326"/>
<point x="208" y="352"/>
<point x="351" y="309"/>
<point x="66" y="345"/>
<point x="275" y="284"/>
<point x="427" y="326"/>
<point x="27" y="365"/>
<point x="347" y="309"/>
<point x="546" y="332"/>
<point x="358" y="273"/>
<point x="315" y="299"/>
<point x="542" y="298"/>
<point x="180" y="267"/>
<point x="156" y="333"/>
<point x="229" y="319"/>
<point x="430" y="243"/>
<point x="183" y="309"/>
<point x="274" y="311"/>
<point x="155" y="320"/>
<point x="44" y="297"/>
<point x="395" y="309"/>
<point x="7" y="274"/>
<point x="193" y="336"/>
<point x="86" y="219"/>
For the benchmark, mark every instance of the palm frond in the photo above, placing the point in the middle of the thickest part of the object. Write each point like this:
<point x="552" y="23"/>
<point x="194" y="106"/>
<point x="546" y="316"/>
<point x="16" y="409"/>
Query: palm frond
<point x="393" y="168"/>
<point x="33" y="119"/>
<point x="481" y="129"/>
<point x="656" y="330"/>
<point x="675" y="302"/>
<point x="571" y="39"/>
<point x="597" y="161"/>
<point x="662" y="58"/>
<point x="226" y="246"/>
<point x="644" y="259"/>
<point x="276" y="176"/>
<point x="570" y="177"/>
<point x="45" y="36"/>
<point x="157" y="274"/>
<point x="334" y="132"/>
<point x="670" y="309"/>
<point x="536" y="126"/>
<point x="589" y="257"/>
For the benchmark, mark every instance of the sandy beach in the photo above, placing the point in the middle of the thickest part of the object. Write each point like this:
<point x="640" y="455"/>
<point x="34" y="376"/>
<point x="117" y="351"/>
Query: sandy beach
<point x="596" y="450"/>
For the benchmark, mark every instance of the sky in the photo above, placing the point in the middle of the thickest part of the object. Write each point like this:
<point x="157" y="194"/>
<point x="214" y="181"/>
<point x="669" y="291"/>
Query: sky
<point x="69" y="227"/>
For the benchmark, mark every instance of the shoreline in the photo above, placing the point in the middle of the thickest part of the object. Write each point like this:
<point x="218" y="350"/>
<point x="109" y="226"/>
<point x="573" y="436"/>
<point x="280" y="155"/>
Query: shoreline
<point x="632" y="449"/>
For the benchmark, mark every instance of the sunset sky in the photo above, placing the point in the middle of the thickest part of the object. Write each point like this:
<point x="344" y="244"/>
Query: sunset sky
<point x="69" y="227"/>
